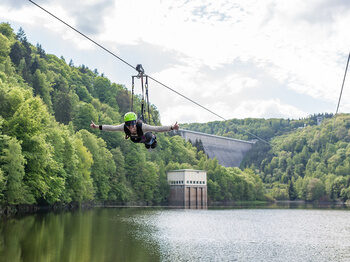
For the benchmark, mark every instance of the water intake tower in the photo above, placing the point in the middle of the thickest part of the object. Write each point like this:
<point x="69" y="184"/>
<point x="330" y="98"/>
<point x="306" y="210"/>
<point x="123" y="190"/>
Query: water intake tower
<point x="188" y="188"/>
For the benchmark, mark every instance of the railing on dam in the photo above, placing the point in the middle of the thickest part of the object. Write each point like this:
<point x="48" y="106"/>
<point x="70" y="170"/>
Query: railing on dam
<point x="228" y="151"/>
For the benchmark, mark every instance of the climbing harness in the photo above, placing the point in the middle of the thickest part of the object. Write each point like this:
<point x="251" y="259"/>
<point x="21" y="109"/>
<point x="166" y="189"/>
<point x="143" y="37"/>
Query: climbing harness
<point x="144" y="87"/>
<point x="148" y="138"/>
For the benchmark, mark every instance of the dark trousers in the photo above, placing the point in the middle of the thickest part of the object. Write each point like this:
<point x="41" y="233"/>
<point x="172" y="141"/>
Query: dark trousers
<point x="150" y="140"/>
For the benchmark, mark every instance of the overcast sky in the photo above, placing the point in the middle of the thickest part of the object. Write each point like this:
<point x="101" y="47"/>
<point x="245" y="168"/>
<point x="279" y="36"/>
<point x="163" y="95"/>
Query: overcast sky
<point x="243" y="58"/>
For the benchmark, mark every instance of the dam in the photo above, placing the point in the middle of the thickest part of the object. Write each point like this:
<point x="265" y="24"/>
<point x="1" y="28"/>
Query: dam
<point x="228" y="151"/>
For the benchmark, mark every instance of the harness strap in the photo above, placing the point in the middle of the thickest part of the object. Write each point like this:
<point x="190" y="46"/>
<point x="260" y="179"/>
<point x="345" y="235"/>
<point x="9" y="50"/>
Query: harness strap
<point x="146" y="86"/>
<point x="139" y="131"/>
<point x="143" y="100"/>
<point x="132" y="94"/>
<point x="141" y="75"/>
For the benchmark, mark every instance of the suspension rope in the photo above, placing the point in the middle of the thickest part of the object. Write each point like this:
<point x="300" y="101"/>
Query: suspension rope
<point x="132" y="94"/>
<point x="137" y="69"/>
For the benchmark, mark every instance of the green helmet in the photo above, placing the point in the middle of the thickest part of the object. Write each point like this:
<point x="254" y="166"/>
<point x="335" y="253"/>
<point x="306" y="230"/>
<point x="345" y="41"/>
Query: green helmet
<point x="130" y="116"/>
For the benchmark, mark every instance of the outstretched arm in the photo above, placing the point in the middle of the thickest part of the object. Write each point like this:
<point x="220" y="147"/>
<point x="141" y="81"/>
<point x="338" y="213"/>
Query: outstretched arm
<point x="149" y="128"/>
<point x="108" y="127"/>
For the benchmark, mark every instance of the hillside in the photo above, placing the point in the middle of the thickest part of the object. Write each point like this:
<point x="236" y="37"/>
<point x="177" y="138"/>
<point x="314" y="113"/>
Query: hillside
<point x="305" y="160"/>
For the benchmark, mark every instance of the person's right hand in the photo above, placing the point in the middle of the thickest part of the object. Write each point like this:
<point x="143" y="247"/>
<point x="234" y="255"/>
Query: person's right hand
<point x="92" y="125"/>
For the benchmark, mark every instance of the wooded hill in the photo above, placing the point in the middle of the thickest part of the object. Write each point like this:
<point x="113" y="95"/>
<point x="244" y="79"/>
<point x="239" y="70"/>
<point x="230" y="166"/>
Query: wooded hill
<point x="303" y="161"/>
<point x="50" y="155"/>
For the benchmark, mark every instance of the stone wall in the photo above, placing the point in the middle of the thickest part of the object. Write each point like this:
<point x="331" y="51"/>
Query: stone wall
<point x="228" y="151"/>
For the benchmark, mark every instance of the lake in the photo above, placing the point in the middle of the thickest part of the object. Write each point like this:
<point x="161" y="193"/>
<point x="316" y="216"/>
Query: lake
<point x="162" y="234"/>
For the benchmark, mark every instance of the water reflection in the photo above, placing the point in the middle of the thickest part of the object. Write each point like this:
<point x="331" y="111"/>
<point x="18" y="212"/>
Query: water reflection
<point x="282" y="205"/>
<point x="159" y="234"/>
<point x="95" y="235"/>
<point x="248" y="234"/>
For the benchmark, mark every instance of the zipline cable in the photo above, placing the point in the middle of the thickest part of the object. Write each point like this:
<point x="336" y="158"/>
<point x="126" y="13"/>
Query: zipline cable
<point x="342" y="86"/>
<point x="189" y="99"/>
<point x="340" y="95"/>
<point x="125" y="62"/>
<point x="155" y="80"/>
<point x="71" y="27"/>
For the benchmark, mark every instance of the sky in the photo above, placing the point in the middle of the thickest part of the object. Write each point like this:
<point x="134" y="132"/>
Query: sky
<point x="238" y="58"/>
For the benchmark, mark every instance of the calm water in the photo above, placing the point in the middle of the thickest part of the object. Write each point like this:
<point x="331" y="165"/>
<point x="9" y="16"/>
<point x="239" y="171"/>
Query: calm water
<point x="155" y="234"/>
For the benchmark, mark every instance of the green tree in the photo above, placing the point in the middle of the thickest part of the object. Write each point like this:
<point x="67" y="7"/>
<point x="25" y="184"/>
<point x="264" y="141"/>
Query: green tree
<point x="315" y="189"/>
<point x="83" y="115"/>
<point x="161" y="194"/>
<point x="21" y="35"/>
<point x="16" y="53"/>
<point x="279" y="191"/>
<point x="345" y="194"/>
<point x="102" y="86"/>
<point x="41" y="171"/>
<point x="6" y="30"/>
<point x="213" y="190"/>
<point x="146" y="183"/>
<point x="291" y="191"/>
<point x="119" y="188"/>
<point x="63" y="107"/>
<point x="83" y="94"/>
<point x="4" y="48"/>
<point x="30" y="118"/>
<point x="11" y="99"/>
<point x="40" y="51"/>
<point x="43" y="174"/>
<point x="42" y="87"/>
<point x="82" y="184"/>
<point x="124" y="100"/>
<point x="24" y="70"/>
<point x="2" y="186"/>
<point x="103" y="167"/>
<point x="12" y="165"/>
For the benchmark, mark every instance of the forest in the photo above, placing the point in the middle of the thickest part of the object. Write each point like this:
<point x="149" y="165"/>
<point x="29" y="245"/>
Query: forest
<point x="302" y="160"/>
<point x="49" y="155"/>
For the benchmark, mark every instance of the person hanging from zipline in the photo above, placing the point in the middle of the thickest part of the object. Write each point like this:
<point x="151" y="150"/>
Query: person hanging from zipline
<point x="136" y="130"/>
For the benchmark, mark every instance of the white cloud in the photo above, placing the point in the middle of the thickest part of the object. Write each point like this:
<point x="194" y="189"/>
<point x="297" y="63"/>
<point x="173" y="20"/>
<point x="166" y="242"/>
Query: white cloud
<point x="254" y="108"/>
<point x="234" y="84"/>
<point x="302" y="45"/>
<point x="267" y="109"/>
<point x="290" y="48"/>
<point x="31" y="16"/>
<point x="216" y="94"/>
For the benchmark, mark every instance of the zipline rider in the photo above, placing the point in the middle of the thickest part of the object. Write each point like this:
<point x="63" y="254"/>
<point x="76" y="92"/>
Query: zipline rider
<point x="137" y="131"/>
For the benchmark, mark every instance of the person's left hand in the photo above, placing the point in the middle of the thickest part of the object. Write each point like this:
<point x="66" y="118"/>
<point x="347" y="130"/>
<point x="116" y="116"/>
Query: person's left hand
<point x="176" y="126"/>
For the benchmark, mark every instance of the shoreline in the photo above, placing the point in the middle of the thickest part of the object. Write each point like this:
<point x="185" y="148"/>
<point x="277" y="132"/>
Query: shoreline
<point x="19" y="210"/>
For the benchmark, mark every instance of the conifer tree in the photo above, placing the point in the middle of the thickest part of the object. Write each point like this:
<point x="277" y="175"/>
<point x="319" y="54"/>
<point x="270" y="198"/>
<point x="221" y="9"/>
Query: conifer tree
<point x="291" y="190"/>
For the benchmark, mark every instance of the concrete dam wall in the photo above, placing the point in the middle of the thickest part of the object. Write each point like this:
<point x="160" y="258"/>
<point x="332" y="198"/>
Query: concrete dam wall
<point x="228" y="151"/>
